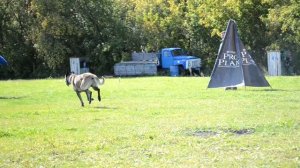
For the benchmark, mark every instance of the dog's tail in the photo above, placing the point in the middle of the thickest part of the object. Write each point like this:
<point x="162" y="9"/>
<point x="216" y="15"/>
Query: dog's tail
<point x="99" y="81"/>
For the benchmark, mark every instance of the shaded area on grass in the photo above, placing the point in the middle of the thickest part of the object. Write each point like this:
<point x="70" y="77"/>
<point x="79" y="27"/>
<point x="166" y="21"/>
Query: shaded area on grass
<point x="106" y="108"/>
<point x="5" y="134"/>
<point x="272" y="90"/>
<point x="21" y="132"/>
<point x="12" y="97"/>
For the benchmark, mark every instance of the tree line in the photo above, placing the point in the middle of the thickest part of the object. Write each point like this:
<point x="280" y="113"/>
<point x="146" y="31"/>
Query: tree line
<point x="37" y="37"/>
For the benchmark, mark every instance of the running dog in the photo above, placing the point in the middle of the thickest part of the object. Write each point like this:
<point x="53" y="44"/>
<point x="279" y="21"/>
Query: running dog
<point x="82" y="83"/>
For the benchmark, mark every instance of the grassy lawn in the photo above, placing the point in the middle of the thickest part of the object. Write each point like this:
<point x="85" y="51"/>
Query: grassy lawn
<point x="150" y="122"/>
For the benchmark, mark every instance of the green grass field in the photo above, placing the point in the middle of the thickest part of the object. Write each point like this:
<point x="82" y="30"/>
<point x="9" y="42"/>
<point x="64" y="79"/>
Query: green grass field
<point x="150" y="122"/>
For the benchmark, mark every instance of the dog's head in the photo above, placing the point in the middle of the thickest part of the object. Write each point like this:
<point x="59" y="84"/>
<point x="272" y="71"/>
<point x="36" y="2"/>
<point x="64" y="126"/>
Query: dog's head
<point x="67" y="78"/>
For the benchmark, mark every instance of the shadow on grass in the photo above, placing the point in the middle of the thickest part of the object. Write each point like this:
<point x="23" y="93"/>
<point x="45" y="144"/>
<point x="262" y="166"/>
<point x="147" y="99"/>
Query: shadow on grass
<point x="106" y="108"/>
<point x="5" y="134"/>
<point x="72" y="129"/>
<point x="12" y="97"/>
<point x="273" y="90"/>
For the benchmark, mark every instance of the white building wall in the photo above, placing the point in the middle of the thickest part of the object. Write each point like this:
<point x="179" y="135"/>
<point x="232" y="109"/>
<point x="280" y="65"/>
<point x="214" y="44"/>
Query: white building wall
<point x="75" y="65"/>
<point x="274" y="63"/>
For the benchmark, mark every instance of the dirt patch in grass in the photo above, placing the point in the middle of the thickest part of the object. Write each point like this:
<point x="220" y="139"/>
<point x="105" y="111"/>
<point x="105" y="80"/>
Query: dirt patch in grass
<point x="241" y="131"/>
<point x="210" y="133"/>
<point x="202" y="133"/>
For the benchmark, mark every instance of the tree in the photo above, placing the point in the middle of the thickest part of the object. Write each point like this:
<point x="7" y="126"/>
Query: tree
<point x="39" y="37"/>
<point x="66" y="29"/>
<point x="283" y="26"/>
<point x="15" y="42"/>
<point x="248" y="15"/>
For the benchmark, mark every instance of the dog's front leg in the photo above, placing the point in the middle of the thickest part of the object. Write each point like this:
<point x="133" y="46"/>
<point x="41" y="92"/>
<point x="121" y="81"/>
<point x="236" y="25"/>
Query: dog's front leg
<point x="89" y="96"/>
<point x="79" y="96"/>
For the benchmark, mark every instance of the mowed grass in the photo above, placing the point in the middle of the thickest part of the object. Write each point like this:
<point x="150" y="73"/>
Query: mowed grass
<point x="150" y="122"/>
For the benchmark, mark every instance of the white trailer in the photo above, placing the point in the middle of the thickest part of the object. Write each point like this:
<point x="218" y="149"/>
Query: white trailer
<point x="141" y="64"/>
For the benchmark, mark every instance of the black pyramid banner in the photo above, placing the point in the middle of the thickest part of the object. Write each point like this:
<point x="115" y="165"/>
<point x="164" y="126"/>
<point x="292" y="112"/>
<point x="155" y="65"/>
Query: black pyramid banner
<point x="252" y="74"/>
<point x="234" y="66"/>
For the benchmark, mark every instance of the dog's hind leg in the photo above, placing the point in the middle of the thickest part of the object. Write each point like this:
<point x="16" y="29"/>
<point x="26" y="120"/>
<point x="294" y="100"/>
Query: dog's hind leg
<point x="79" y="96"/>
<point x="98" y="90"/>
